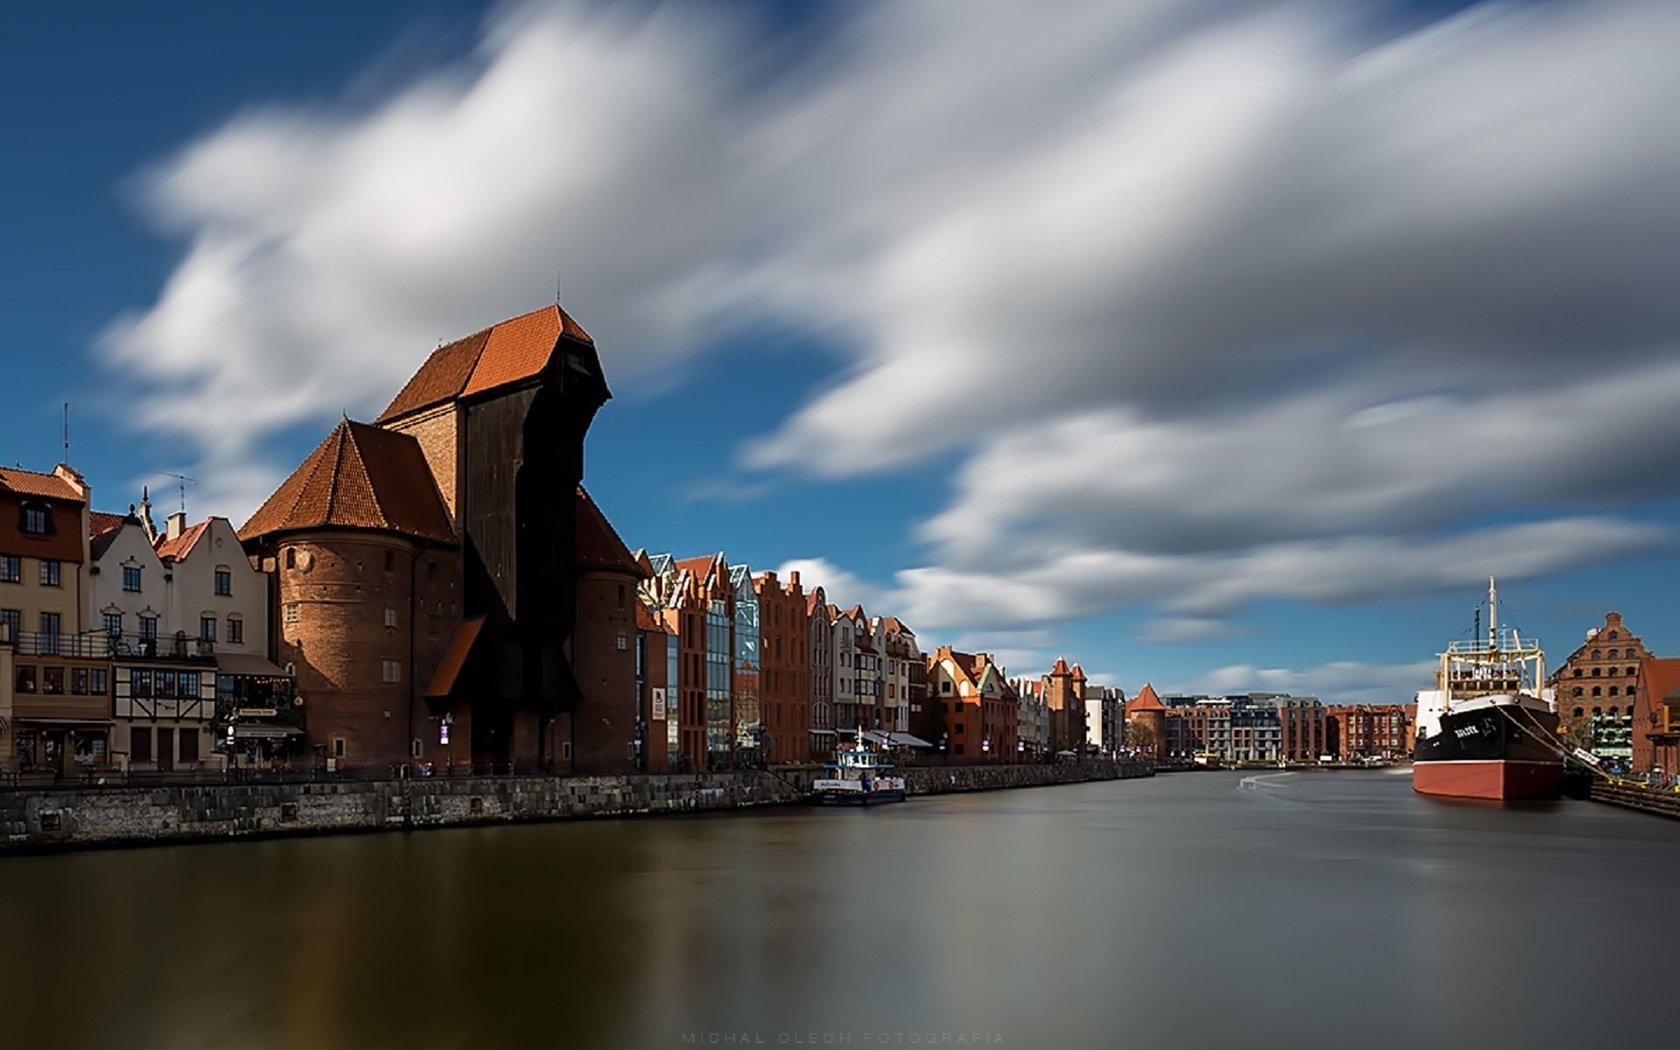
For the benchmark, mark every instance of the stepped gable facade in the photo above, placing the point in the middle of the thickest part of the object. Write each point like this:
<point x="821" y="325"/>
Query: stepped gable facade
<point x="471" y="482"/>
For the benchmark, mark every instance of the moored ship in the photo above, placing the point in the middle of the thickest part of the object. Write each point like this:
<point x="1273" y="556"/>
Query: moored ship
<point x="1488" y="729"/>
<point x="860" y="775"/>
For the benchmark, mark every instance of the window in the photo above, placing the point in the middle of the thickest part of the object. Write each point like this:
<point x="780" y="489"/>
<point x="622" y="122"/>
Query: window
<point x="236" y="631"/>
<point x="79" y="681"/>
<point x="131" y="577"/>
<point x="52" y="680"/>
<point x="291" y="612"/>
<point x="99" y="681"/>
<point x="12" y="619"/>
<point x="1577" y="692"/>
<point x="26" y="679"/>
<point x="190" y="684"/>
<point x="140" y="684"/>
<point x="206" y="628"/>
<point x="392" y="671"/>
<point x="390" y="616"/>
<point x="49" y="572"/>
<point x="148" y="628"/>
<point x="338" y="748"/>
<point x="112" y="622"/>
<point x="11" y="569"/>
<point x="1615" y="654"/>
<point x="49" y="632"/>
<point x="390" y="561"/>
<point x="1612" y="690"/>
<point x="622" y="642"/>
<point x="1597" y="691"/>
<point x="291" y="557"/>
<point x="35" y="521"/>
<point x="224" y="582"/>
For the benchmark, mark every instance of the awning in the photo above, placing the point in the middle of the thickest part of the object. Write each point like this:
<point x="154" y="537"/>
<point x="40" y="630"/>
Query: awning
<point x="886" y="739"/>
<point x="822" y="732"/>
<point x="72" y="723"/>
<point x="454" y="658"/>
<point x="246" y="732"/>
<point x="248" y="665"/>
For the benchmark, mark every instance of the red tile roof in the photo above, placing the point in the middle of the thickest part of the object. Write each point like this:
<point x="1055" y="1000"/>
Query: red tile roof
<point x="503" y="354"/>
<point x="182" y="545"/>
<point x="1146" y="700"/>
<point x="360" y="477"/>
<point x="598" y="544"/>
<point x="1078" y="674"/>
<point x="1061" y="669"/>
<point x="645" y="620"/>
<point x="1659" y="677"/>
<point x="31" y="483"/>
<point x="102" y="532"/>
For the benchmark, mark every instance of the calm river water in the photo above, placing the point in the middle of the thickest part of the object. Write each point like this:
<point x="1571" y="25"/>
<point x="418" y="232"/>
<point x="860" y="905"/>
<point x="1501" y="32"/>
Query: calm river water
<point x="1194" y="910"/>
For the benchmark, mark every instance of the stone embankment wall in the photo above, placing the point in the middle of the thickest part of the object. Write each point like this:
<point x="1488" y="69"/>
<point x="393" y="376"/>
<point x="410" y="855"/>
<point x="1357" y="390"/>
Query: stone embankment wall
<point x="1662" y="803"/>
<point x="74" y="817"/>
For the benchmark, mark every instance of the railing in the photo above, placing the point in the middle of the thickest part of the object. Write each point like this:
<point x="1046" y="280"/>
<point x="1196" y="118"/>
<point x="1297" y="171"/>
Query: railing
<point x="33" y="643"/>
<point x="177" y="646"/>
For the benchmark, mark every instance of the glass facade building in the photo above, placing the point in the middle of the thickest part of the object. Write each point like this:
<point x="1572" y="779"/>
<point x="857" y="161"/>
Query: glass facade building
<point x="719" y="664"/>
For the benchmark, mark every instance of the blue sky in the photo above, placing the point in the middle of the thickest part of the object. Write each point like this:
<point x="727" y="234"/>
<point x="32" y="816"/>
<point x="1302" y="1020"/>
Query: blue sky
<point x="1223" y="345"/>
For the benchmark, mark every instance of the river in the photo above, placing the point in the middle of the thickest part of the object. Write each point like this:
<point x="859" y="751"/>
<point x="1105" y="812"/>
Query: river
<point x="1188" y="910"/>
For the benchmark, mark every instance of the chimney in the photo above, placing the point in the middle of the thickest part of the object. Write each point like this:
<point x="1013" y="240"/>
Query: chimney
<point x="175" y="525"/>
<point x="793" y="577"/>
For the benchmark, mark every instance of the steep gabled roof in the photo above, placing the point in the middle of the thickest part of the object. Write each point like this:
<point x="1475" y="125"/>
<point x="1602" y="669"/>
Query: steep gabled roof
<point x="1078" y="674"/>
<point x="598" y="543"/>
<point x="30" y="483"/>
<point x="182" y="545"/>
<point x="1659" y="677"/>
<point x="503" y="354"/>
<point x="360" y="477"/>
<point x="103" y="530"/>
<point x="1061" y="669"/>
<point x="1145" y="700"/>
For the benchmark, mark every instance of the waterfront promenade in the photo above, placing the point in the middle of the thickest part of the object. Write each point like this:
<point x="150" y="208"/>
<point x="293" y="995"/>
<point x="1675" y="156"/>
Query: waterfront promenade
<point x="113" y="812"/>
<point x="1183" y="911"/>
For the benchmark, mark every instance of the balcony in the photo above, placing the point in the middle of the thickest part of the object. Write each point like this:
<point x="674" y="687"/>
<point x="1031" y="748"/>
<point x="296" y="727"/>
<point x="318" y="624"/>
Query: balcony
<point x="178" y="646"/>
<point x="84" y="646"/>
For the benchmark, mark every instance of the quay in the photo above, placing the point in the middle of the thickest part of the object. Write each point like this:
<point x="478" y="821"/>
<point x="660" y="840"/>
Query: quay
<point x="1637" y="796"/>
<point x="47" y="819"/>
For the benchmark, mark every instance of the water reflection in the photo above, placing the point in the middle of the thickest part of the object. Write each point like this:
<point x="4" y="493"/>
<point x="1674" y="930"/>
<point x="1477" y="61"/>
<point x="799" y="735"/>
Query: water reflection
<point x="1319" y="910"/>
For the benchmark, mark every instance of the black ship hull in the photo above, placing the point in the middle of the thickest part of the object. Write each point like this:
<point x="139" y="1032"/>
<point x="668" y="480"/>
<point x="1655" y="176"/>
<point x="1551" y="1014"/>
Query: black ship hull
<point x="1500" y="752"/>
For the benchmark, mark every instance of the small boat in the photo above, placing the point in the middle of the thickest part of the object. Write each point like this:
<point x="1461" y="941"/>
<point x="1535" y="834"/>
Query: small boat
<point x="1489" y="728"/>
<point x="860" y="775"/>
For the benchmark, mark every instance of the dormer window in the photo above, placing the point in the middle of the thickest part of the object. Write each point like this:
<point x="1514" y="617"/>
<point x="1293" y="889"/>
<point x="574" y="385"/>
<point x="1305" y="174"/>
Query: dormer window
<point x="36" y="520"/>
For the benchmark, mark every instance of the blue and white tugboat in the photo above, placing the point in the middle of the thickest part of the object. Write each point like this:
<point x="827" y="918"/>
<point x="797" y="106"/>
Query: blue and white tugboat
<point x="860" y="775"/>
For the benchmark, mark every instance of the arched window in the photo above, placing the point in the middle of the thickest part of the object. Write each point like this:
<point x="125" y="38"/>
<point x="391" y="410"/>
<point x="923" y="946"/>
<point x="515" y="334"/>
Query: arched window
<point x="1612" y="690"/>
<point x="1598" y="654"/>
<point x="1632" y="671"/>
<point x="291" y="557"/>
<point x="1615" y="654"/>
<point x="1612" y="712"/>
<point x="1614" y="635"/>
<point x="1597" y="671"/>
<point x="1614" y="671"/>
<point x="1577" y="712"/>
<point x="1597" y="711"/>
<point x="1577" y="692"/>
<point x="1597" y="691"/>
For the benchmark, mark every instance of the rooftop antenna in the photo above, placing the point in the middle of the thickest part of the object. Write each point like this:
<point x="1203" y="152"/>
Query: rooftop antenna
<point x="559" y="271"/>
<point x="67" y="433"/>
<point x="181" y="481"/>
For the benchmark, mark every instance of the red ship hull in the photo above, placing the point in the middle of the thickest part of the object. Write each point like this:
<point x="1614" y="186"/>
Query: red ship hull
<point x="1497" y="779"/>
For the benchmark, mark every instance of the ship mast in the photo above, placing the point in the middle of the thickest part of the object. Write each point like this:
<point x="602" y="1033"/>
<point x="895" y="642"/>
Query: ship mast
<point x="1493" y="616"/>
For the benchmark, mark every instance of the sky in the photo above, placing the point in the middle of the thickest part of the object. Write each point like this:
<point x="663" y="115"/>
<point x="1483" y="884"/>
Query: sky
<point x="1224" y="345"/>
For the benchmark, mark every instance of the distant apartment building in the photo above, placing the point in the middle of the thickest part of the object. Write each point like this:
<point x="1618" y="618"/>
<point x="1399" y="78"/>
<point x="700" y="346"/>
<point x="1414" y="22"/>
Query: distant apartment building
<point x="822" y="677"/>
<point x="1302" y="729"/>
<point x="981" y="708"/>
<point x="1032" y="717"/>
<point x="1105" y="719"/>
<point x="55" y="671"/>
<point x="673" y="595"/>
<point x="897" y="650"/>
<point x="1594" y="689"/>
<point x="746" y="687"/>
<point x="852" y="710"/>
<point x="1359" y="732"/>
<point x="785" y="677"/>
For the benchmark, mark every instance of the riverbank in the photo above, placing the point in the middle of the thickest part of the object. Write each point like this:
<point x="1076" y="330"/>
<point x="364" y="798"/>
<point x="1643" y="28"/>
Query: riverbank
<point x="81" y="817"/>
<point x="1644" y="799"/>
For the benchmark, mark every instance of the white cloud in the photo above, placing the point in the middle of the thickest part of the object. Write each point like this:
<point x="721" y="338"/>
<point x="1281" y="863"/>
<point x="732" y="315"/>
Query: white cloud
<point x="1336" y="683"/>
<point x="842" y="588"/>
<point x="1220" y="302"/>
